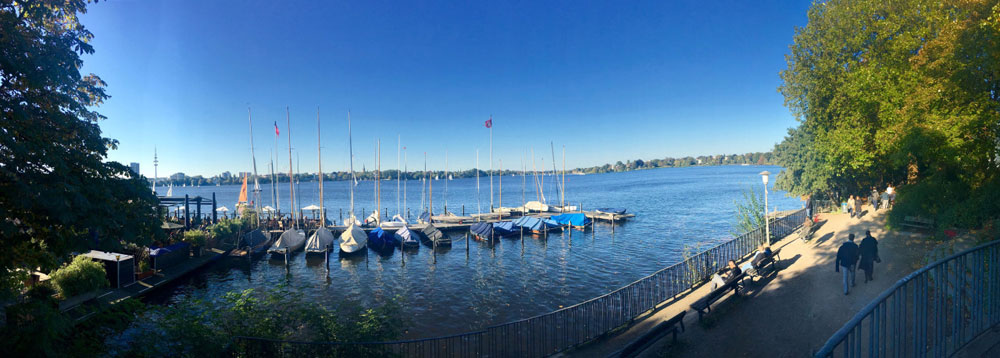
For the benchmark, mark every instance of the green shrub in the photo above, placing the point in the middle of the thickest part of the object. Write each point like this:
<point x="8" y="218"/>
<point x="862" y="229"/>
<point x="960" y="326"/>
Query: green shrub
<point x="195" y="237"/>
<point x="80" y="276"/>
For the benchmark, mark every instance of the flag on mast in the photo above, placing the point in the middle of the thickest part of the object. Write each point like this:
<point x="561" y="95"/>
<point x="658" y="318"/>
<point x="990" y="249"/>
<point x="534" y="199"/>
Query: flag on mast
<point x="276" y="133"/>
<point x="489" y="122"/>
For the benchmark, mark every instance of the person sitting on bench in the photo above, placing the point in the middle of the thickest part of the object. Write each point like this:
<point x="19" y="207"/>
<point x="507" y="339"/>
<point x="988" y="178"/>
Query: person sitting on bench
<point x="762" y="254"/>
<point x="726" y="276"/>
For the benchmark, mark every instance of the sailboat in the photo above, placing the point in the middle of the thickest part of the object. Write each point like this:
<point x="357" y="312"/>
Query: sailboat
<point x="170" y="190"/>
<point x="322" y="239"/>
<point x="294" y="238"/>
<point x="397" y="220"/>
<point x="407" y="238"/>
<point x="353" y="240"/>
<point x="432" y="236"/>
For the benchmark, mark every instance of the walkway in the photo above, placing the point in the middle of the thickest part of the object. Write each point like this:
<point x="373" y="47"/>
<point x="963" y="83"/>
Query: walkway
<point x="788" y="314"/>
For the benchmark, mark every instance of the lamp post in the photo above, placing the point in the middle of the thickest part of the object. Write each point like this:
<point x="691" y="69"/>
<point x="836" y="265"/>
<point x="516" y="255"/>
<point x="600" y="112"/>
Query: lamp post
<point x="767" y="227"/>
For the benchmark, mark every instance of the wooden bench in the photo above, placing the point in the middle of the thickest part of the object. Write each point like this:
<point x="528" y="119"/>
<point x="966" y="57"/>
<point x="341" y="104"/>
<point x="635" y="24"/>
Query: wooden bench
<point x="702" y="304"/>
<point x="772" y="259"/>
<point x="672" y="325"/>
<point x="918" y="222"/>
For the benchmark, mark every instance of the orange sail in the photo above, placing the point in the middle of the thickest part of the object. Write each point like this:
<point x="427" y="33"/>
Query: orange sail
<point x="243" y="190"/>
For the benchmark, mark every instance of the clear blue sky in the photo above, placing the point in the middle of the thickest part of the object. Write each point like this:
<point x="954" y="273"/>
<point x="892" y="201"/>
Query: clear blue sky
<point x="609" y="80"/>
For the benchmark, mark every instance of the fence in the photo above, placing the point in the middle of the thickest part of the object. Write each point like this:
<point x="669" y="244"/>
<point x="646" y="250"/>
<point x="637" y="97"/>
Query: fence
<point x="934" y="311"/>
<point x="551" y="332"/>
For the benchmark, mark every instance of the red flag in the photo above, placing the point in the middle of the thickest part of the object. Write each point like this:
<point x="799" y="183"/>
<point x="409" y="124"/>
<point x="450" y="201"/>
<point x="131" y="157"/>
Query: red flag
<point x="275" y="128"/>
<point x="489" y="123"/>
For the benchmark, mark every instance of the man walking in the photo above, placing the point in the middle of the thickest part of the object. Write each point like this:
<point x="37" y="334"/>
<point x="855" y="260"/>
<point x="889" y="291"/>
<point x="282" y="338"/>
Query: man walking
<point x="847" y="258"/>
<point x="869" y="255"/>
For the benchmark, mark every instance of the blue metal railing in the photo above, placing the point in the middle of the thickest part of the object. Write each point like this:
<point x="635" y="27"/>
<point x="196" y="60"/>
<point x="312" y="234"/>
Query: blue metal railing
<point x="934" y="311"/>
<point x="552" y="332"/>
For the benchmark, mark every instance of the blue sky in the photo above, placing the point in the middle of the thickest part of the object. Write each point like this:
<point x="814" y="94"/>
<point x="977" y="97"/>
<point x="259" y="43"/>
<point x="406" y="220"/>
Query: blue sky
<point x="609" y="80"/>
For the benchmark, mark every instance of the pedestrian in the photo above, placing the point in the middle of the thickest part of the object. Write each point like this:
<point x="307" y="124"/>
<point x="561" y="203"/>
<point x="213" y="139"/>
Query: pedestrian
<point x="874" y="199"/>
<point x="850" y="205"/>
<point x="869" y="255"/>
<point x="809" y="209"/>
<point x="892" y="195"/>
<point x="857" y="206"/>
<point x="847" y="259"/>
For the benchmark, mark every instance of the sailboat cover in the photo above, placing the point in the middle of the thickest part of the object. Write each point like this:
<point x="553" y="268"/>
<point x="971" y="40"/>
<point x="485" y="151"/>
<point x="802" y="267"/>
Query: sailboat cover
<point x="405" y="236"/>
<point x="434" y="235"/>
<point x="379" y="239"/>
<point x="425" y="217"/>
<point x="291" y="240"/>
<point x="320" y="241"/>
<point x="482" y="229"/>
<point x="505" y="228"/>
<point x="252" y="239"/>
<point x="353" y="239"/>
<point x="619" y="211"/>
<point x="577" y="219"/>
<point x="535" y="224"/>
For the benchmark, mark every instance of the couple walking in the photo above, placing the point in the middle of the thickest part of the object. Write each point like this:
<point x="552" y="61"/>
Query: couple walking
<point x="851" y="256"/>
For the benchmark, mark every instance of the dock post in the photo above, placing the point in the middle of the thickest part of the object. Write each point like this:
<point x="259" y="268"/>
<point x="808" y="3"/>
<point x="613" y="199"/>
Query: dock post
<point x="286" y="257"/>
<point x="407" y="213"/>
<point x="215" y="215"/>
<point x="434" y="248"/>
<point x="385" y="213"/>
<point x="466" y="245"/>
<point x="187" y="219"/>
<point x="342" y="214"/>
<point x="463" y="209"/>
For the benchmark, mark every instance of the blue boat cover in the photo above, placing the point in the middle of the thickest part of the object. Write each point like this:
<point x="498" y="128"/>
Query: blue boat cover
<point x="618" y="211"/>
<point x="425" y="217"/>
<point x="379" y="239"/>
<point x="535" y="224"/>
<point x="482" y="229"/>
<point x="505" y="228"/>
<point x="406" y="236"/>
<point x="577" y="219"/>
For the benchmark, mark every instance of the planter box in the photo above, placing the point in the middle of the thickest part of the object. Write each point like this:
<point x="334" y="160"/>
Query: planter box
<point x="143" y="275"/>
<point x="77" y="300"/>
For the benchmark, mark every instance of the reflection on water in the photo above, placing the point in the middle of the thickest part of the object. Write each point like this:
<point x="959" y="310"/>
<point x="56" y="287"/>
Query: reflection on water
<point x="474" y="284"/>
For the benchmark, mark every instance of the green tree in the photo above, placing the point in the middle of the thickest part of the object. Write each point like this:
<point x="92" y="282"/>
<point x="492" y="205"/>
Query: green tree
<point x="56" y="190"/>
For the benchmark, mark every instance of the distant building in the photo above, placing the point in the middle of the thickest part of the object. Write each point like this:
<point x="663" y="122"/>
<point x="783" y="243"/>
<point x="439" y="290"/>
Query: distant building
<point x="135" y="167"/>
<point x="225" y="175"/>
<point x="178" y="177"/>
<point x="246" y="174"/>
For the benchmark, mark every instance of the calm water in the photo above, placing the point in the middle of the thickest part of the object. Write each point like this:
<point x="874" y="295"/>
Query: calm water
<point x="492" y="285"/>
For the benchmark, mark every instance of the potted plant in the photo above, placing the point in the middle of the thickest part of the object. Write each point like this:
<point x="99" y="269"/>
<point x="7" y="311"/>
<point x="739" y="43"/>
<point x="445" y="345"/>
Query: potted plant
<point x="197" y="240"/>
<point x="79" y="281"/>
<point x="144" y="270"/>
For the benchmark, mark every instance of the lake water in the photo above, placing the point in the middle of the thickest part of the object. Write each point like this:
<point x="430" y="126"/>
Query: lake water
<point x="450" y="291"/>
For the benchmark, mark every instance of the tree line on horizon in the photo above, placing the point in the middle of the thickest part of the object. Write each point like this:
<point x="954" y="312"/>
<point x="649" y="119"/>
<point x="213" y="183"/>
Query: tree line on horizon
<point x="755" y="158"/>
<point x="902" y="93"/>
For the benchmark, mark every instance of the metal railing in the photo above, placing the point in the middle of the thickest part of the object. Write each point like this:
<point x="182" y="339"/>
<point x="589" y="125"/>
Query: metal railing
<point x="934" y="311"/>
<point x="551" y="332"/>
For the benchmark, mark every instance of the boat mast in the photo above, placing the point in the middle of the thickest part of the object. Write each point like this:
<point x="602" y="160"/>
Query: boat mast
<point x="156" y="164"/>
<point x="491" y="163"/>
<point x="524" y="183"/>
<point x="273" y="185"/>
<point x="319" y="158"/>
<point x="354" y="179"/>
<point x="291" y="176"/>
<point x="423" y="184"/>
<point x="253" y="158"/>
<point x="399" y="145"/>
<point x="378" y="180"/>
<point x="430" y="194"/>
<point x="563" y="198"/>
<point x="479" y="202"/>
<point x="500" y="208"/>
<point x="446" y="174"/>
<point x="274" y="177"/>
<point x="555" y="174"/>
<point x="405" y="179"/>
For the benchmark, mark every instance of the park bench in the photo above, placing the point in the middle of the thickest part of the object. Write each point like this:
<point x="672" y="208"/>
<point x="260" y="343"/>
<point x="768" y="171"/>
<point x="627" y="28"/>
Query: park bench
<point x="673" y="325"/>
<point x="918" y="222"/>
<point x="771" y="259"/>
<point x="702" y="304"/>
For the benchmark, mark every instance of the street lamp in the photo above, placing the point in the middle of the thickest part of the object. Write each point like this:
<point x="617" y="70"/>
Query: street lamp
<point x="767" y="228"/>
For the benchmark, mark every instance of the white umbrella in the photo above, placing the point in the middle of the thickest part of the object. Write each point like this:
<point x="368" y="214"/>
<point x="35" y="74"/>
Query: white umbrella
<point x="311" y="207"/>
<point x="222" y="209"/>
<point x="268" y="209"/>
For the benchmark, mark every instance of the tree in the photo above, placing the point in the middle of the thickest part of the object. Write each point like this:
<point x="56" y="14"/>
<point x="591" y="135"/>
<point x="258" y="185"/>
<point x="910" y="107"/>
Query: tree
<point x="900" y="92"/>
<point x="57" y="193"/>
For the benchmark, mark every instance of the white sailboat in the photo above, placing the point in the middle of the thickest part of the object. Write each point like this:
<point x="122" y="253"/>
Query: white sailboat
<point x="170" y="190"/>
<point x="292" y="239"/>
<point x="397" y="220"/>
<point x="353" y="239"/>
<point x="321" y="241"/>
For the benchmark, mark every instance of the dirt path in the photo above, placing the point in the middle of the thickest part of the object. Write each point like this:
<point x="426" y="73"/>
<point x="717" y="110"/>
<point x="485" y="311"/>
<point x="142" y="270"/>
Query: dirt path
<point x="787" y="314"/>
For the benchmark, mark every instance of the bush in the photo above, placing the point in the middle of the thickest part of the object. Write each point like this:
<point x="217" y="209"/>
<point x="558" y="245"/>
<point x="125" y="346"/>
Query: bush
<point x="80" y="276"/>
<point x="195" y="237"/>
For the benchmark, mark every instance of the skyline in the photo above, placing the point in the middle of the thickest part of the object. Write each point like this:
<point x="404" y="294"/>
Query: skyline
<point x="608" y="82"/>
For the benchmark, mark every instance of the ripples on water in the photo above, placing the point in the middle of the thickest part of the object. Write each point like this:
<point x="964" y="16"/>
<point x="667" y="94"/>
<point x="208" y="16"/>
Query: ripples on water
<point x="503" y="282"/>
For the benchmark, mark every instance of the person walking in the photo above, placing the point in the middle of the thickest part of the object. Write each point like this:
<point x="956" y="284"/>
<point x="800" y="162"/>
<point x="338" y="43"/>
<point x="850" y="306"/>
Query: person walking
<point x="850" y="205"/>
<point x="857" y="206"/>
<point x="874" y="199"/>
<point x="868" y="250"/>
<point x="847" y="259"/>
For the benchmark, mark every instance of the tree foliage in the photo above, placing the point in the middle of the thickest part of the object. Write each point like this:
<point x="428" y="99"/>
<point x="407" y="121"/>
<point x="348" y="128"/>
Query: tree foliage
<point x="80" y="276"/>
<point x="901" y="92"/>
<point x="56" y="190"/>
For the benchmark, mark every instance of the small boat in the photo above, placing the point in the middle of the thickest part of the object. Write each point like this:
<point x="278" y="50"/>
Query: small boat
<point x="352" y="240"/>
<point x="424" y="218"/>
<point x="617" y="211"/>
<point x="577" y="220"/>
<point x="406" y="237"/>
<point x="434" y="237"/>
<point x="290" y="241"/>
<point x="536" y="206"/>
<point x="396" y="222"/>
<point x="537" y="225"/>
<point x="506" y="229"/>
<point x="320" y="242"/>
<point x="252" y="243"/>
<point x="483" y="231"/>
<point x="451" y="218"/>
<point x="379" y="240"/>
<point x="372" y="220"/>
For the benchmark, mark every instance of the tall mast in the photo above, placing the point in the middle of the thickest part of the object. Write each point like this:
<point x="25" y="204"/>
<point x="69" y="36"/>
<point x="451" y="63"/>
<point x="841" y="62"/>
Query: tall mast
<point x="399" y="146"/>
<point x="291" y="177"/>
<point x="446" y="174"/>
<point x="428" y="179"/>
<point x="479" y="205"/>
<point x="430" y="194"/>
<point x="350" y="145"/>
<point x="156" y="164"/>
<point x="524" y="183"/>
<point x="405" y="178"/>
<point x="319" y="158"/>
<point x="274" y="177"/>
<point x="274" y="192"/>
<point x="491" y="162"/>
<point x="563" y="198"/>
<point x="555" y="174"/>
<point x="378" y="179"/>
<point x="423" y="184"/>
<point x="500" y="208"/>
<point x="253" y="158"/>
